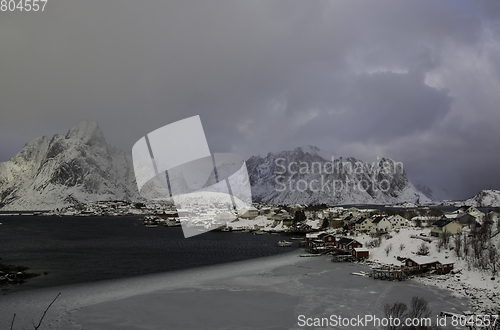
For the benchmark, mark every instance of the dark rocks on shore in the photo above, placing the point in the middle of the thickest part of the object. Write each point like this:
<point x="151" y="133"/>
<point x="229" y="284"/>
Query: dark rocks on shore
<point x="11" y="274"/>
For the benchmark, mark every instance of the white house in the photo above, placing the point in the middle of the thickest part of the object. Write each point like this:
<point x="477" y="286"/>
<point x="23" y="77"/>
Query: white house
<point x="363" y="225"/>
<point x="398" y="221"/>
<point x="249" y="212"/>
<point x="381" y="225"/>
<point x="445" y="225"/>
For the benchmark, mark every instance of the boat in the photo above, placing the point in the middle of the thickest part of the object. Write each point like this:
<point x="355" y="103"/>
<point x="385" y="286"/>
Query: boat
<point x="284" y="243"/>
<point x="450" y="314"/>
<point x="360" y="273"/>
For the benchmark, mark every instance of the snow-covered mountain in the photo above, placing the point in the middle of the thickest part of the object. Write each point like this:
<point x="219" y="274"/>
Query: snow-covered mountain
<point x="82" y="167"/>
<point x="64" y="170"/>
<point x="305" y="175"/>
<point x="485" y="198"/>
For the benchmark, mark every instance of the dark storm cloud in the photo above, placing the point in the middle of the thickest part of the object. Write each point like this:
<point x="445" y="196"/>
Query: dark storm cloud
<point x="388" y="105"/>
<point x="365" y="79"/>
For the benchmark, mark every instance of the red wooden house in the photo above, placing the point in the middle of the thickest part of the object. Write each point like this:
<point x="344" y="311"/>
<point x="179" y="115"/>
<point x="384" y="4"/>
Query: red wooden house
<point x="360" y="253"/>
<point x="348" y="244"/>
<point x="422" y="263"/>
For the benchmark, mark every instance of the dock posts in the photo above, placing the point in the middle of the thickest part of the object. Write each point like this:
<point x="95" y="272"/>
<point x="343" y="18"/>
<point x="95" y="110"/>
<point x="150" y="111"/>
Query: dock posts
<point x="389" y="274"/>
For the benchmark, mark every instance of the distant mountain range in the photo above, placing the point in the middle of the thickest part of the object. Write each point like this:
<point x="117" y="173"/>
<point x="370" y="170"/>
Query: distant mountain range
<point x="81" y="167"/>
<point x="306" y="175"/>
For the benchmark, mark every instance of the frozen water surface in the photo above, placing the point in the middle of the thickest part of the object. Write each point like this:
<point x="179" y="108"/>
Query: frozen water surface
<point x="265" y="293"/>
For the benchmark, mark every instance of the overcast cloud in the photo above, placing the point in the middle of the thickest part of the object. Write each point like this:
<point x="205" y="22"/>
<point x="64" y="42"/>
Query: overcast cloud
<point x="416" y="81"/>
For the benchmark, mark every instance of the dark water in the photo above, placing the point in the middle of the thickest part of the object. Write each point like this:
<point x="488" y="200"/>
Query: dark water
<point x="84" y="249"/>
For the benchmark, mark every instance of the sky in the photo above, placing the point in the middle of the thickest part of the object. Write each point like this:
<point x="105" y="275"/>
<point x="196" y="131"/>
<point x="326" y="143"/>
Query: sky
<point x="414" y="81"/>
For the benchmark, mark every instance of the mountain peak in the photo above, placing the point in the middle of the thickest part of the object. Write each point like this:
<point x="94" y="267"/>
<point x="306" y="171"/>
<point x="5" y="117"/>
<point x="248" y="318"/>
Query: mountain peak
<point x="86" y="130"/>
<point x="310" y="175"/>
<point x="79" y="165"/>
<point x="315" y="151"/>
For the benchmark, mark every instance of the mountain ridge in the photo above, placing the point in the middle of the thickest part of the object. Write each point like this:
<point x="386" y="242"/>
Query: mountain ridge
<point x="81" y="167"/>
<point x="298" y="176"/>
<point x="484" y="198"/>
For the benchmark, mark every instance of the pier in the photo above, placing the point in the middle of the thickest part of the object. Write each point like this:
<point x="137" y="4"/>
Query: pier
<point x="389" y="273"/>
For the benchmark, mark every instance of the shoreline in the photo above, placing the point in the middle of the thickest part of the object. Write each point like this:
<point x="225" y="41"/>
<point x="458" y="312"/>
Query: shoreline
<point x="265" y="292"/>
<point x="75" y="296"/>
<point x="483" y="300"/>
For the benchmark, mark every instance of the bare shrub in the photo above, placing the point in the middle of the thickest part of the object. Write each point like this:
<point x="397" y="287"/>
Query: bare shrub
<point x="396" y="311"/>
<point x="419" y="309"/>
<point x="374" y="243"/>
<point x="423" y="249"/>
<point x="388" y="249"/>
<point x="37" y="326"/>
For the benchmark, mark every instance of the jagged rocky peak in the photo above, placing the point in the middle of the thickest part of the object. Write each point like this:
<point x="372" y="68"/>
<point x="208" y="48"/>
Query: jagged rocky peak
<point x="79" y="164"/>
<point x="31" y="150"/>
<point x="86" y="131"/>
<point x="85" y="138"/>
<point x="309" y="150"/>
<point x="310" y="175"/>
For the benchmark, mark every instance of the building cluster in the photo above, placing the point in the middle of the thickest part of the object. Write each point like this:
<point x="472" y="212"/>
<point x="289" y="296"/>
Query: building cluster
<point x="412" y="266"/>
<point x="349" y="220"/>
<point x="105" y="208"/>
<point x="328" y="242"/>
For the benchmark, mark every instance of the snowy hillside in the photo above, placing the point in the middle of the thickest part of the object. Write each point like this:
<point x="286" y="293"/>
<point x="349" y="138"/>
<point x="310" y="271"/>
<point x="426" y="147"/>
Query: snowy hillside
<point x="305" y="176"/>
<point x="485" y="198"/>
<point x="64" y="170"/>
<point x="465" y="280"/>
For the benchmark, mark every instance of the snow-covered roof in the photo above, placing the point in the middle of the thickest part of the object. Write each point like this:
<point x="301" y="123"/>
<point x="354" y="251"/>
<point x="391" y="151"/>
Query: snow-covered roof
<point x="443" y="222"/>
<point x="424" y="217"/>
<point x="248" y="208"/>
<point x="345" y="241"/>
<point x="423" y="260"/>
<point x="361" y="220"/>
<point x="313" y="235"/>
<point x="377" y="220"/>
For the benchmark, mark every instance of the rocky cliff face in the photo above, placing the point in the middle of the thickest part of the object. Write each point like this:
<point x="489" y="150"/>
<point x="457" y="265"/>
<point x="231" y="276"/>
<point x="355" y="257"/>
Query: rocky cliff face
<point x="305" y="175"/>
<point x="77" y="167"/>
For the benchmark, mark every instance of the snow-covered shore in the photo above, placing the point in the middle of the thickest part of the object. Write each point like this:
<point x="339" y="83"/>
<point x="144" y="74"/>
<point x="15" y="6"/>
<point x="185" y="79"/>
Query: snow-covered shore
<point x="480" y="287"/>
<point x="482" y="292"/>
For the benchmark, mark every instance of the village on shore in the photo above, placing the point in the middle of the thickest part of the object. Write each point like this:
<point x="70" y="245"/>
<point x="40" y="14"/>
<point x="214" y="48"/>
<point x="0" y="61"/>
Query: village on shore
<point x="457" y="249"/>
